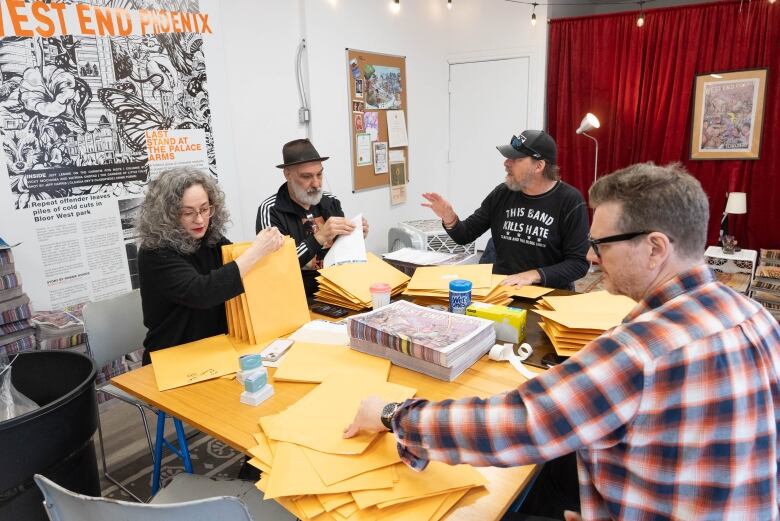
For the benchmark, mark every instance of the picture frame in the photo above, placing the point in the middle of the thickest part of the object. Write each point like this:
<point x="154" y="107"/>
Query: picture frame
<point x="728" y="115"/>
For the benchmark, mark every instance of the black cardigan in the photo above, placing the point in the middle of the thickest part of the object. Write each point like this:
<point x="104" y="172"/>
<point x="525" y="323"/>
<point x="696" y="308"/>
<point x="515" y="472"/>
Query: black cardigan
<point x="183" y="296"/>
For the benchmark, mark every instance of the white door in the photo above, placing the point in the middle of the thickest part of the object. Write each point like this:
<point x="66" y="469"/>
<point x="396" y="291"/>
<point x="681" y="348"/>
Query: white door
<point x="488" y="104"/>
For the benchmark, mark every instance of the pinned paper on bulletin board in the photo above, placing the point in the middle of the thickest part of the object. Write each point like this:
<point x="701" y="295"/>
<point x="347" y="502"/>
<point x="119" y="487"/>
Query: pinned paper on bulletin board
<point x="377" y="85"/>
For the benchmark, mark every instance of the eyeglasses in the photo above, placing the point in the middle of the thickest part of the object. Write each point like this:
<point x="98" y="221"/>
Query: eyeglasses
<point x="594" y="243"/>
<point x="521" y="147"/>
<point x="192" y="215"/>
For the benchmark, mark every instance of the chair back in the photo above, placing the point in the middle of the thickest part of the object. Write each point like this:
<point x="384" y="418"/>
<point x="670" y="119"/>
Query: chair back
<point x="114" y="327"/>
<point x="63" y="505"/>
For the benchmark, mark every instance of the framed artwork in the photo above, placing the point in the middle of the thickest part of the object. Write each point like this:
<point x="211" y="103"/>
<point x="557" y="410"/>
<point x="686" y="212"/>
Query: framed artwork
<point x="728" y="112"/>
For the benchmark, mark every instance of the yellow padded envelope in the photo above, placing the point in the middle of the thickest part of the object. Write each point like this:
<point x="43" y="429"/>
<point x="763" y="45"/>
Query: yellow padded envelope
<point x="357" y="278"/>
<point x="334" y="501"/>
<point x="529" y="292"/>
<point x="309" y="506"/>
<point x="437" y="477"/>
<point x="194" y="362"/>
<point x="306" y="362"/>
<point x="594" y="302"/>
<point x="293" y="475"/>
<point x="331" y="406"/>
<point x="439" y="277"/>
<point x="582" y="320"/>
<point x="422" y="508"/>
<point x="333" y="468"/>
<point x="274" y="291"/>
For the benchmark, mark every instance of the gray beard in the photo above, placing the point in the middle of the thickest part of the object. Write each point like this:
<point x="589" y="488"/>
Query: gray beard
<point x="308" y="198"/>
<point x="513" y="185"/>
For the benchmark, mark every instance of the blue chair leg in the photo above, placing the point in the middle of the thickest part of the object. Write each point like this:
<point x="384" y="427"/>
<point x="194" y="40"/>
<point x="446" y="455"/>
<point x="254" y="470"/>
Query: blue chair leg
<point x="182" y="451"/>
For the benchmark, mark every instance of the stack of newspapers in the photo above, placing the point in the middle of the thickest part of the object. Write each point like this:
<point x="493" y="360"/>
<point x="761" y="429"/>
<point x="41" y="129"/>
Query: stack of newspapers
<point x="432" y="342"/>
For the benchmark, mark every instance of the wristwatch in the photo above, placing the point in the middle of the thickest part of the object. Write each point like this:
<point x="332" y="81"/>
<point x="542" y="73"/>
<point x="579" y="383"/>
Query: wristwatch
<point x="388" y="411"/>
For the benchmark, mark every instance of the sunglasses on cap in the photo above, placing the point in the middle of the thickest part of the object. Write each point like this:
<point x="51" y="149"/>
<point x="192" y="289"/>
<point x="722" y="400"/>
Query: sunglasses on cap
<point x="518" y="144"/>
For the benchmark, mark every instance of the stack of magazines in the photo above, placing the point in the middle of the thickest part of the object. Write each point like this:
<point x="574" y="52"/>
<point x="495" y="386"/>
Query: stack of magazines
<point x="61" y="329"/>
<point x="432" y="342"/>
<point x="16" y="328"/>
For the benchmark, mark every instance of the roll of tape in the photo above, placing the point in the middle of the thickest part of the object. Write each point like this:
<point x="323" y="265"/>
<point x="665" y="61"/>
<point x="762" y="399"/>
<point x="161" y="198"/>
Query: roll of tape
<point x="504" y="353"/>
<point x="501" y="353"/>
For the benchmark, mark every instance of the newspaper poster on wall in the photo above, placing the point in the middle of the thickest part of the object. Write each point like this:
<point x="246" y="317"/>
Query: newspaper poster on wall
<point x="96" y="99"/>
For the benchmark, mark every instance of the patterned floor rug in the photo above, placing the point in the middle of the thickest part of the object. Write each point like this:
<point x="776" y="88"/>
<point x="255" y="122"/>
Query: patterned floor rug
<point x="592" y="281"/>
<point x="209" y="457"/>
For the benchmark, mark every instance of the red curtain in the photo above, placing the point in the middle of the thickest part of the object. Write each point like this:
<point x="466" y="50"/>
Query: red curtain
<point x="640" y="82"/>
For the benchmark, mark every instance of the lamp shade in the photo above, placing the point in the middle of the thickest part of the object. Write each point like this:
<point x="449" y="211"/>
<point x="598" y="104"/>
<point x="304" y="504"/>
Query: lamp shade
<point x="736" y="203"/>
<point x="589" y="122"/>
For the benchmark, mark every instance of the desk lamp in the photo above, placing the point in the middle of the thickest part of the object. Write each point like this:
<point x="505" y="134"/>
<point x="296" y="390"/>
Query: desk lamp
<point x="736" y="204"/>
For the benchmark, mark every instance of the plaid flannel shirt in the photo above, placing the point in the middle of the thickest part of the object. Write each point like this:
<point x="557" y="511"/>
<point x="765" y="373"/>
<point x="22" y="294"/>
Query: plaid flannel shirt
<point x="673" y="414"/>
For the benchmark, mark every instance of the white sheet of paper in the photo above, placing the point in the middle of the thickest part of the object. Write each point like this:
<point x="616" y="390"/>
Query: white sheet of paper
<point x="364" y="155"/>
<point x="348" y="248"/>
<point x="397" y="156"/>
<point x="396" y="128"/>
<point x="322" y="332"/>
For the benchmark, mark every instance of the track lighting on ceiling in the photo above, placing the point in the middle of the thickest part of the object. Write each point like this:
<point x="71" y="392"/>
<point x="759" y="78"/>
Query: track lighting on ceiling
<point x="533" y="15"/>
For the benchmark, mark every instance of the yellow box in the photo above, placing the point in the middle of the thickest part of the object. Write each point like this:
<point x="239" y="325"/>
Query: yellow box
<point x="509" y="322"/>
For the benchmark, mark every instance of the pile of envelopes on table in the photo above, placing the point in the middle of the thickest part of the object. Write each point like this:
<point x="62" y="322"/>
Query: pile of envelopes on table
<point x="274" y="301"/>
<point x="573" y="321"/>
<point x="316" y="474"/>
<point x="347" y="285"/>
<point x="430" y="285"/>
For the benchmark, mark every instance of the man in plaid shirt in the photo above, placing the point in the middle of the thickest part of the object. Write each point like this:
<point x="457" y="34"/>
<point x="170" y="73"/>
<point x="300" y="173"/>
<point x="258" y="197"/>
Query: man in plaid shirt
<point x="672" y="414"/>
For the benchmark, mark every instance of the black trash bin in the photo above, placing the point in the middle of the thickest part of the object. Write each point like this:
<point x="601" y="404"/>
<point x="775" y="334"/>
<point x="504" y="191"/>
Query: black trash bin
<point x="55" y="440"/>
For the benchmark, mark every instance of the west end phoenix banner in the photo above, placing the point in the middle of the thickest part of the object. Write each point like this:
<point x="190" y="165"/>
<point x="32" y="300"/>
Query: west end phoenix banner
<point x="96" y="99"/>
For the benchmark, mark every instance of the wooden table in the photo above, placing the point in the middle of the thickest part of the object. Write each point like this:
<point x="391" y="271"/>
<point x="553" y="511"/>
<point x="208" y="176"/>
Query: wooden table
<point x="214" y="407"/>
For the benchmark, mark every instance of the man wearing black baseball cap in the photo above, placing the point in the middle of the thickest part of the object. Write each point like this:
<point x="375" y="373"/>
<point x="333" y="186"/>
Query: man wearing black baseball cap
<point x="301" y="209"/>
<point x="538" y="223"/>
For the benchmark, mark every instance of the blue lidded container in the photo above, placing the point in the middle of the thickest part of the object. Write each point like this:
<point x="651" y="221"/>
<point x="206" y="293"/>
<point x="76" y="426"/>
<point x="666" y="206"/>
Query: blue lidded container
<point x="460" y="296"/>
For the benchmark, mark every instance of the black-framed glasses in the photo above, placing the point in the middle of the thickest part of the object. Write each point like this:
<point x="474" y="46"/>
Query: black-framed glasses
<point x="594" y="243"/>
<point x="190" y="214"/>
<point x="521" y="147"/>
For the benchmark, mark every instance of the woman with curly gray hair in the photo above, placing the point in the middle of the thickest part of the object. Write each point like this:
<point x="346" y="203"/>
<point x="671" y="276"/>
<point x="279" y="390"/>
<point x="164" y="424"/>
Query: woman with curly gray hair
<point x="184" y="283"/>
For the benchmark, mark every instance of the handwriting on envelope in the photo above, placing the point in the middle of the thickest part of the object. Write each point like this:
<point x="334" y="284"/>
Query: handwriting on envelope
<point x="194" y="362"/>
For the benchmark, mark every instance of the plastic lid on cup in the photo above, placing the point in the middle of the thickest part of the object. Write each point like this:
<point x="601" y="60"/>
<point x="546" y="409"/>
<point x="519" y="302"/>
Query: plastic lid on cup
<point x="380" y="287"/>
<point x="460" y="285"/>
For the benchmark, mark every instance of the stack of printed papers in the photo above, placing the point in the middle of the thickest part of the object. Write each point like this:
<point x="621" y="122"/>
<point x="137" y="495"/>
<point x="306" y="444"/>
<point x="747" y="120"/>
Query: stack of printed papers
<point x="317" y="474"/>
<point x="572" y="322"/>
<point x="274" y="301"/>
<point x="430" y="285"/>
<point x="347" y="285"/>
<point x="432" y="342"/>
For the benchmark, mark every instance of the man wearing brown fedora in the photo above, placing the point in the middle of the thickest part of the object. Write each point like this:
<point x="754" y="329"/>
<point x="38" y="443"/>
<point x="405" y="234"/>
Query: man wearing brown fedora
<point x="301" y="209"/>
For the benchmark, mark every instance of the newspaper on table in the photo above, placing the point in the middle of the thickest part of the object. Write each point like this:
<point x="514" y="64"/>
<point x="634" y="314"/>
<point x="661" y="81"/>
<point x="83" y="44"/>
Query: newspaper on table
<point x="433" y="342"/>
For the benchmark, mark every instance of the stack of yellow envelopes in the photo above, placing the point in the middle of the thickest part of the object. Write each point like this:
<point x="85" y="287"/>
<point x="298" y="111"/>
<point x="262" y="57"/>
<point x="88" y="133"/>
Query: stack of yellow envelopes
<point x="315" y="473"/>
<point x="572" y="322"/>
<point x="347" y="285"/>
<point x="430" y="285"/>
<point x="274" y="301"/>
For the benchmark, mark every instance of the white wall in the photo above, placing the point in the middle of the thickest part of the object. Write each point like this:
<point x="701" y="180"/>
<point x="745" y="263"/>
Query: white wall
<point x="260" y="41"/>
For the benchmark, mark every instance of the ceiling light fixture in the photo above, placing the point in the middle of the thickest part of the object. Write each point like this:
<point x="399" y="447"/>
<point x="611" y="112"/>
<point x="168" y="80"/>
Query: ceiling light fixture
<point x="641" y="20"/>
<point x="533" y="15"/>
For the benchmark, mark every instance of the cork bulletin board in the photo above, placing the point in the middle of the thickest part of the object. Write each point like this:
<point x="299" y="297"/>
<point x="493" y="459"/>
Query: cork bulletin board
<point x="378" y="117"/>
